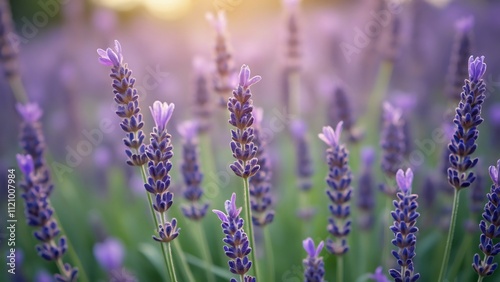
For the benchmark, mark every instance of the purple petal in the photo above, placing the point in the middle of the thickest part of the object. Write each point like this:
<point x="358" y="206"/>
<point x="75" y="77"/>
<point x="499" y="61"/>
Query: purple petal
<point x="337" y="132"/>
<point x="319" y="248"/>
<point x="105" y="62"/>
<point x="25" y="163"/>
<point x="401" y="180"/>
<point x="253" y="80"/>
<point x="222" y="216"/>
<point x="477" y="68"/>
<point x="494" y="174"/>
<point x="244" y="75"/>
<point x="30" y="112"/>
<point x="113" y="57"/>
<point x="308" y="245"/>
<point x="102" y="53"/>
<point x="409" y="178"/>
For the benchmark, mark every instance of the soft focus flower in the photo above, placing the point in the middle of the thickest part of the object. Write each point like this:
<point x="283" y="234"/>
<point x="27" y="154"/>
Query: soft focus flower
<point x="109" y="57"/>
<point x="314" y="266"/>
<point x="379" y="276"/>
<point x="162" y="112"/>
<point x="25" y="163"/>
<point x="331" y="137"/>
<point x="30" y="112"/>
<point x="109" y="254"/>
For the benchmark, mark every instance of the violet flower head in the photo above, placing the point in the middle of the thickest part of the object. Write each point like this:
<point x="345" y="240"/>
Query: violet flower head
<point x="109" y="254"/>
<point x="490" y="228"/>
<point x="261" y="200"/>
<point x="162" y="112"/>
<point x="404" y="228"/>
<point x="379" y="276"/>
<point x="314" y="266"/>
<point x="240" y="107"/>
<point x="127" y="98"/>
<point x="25" y="163"/>
<point x="159" y="152"/>
<point x="340" y="110"/>
<point x="339" y="190"/>
<point x="30" y="112"/>
<point x="467" y="119"/>
<point x="110" y="57"/>
<point x="190" y="169"/>
<point x="304" y="163"/>
<point x="237" y="246"/>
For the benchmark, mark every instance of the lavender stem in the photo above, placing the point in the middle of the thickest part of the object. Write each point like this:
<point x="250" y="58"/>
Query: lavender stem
<point x="249" y="225"/>
<point x="451" y="231"/>
<point x="340" y="268"/>
<point x="269" y="254"/>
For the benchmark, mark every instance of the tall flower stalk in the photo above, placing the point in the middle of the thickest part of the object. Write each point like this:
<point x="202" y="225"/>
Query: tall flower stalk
<point x="339" y="192"/>
<point x="490" y="229"/>
<point x="157" y="155"/>
<point x="463" y="144"/>
<point x="237" y="245"/>
<point x="244" y="150"/>
<point x="404" y="228"/>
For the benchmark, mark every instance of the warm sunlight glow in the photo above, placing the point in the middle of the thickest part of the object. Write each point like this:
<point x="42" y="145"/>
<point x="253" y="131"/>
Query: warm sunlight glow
<point x="168" y="9"/>
<point x="120" y="5"/>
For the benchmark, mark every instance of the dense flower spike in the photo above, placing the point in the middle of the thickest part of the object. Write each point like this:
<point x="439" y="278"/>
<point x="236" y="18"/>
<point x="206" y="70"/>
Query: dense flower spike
<point x="202" y="104"/>
<point x="224" y="77"/>
<point x="392" y="143"/>
<point x="314" y="266"/>
<point x="190" y="169"/>
<point x="404" y="228"/>
<point x="238" y="247"/>
<point x="240" y="107"/>
<point x="38" y="212"/>
<point x="490" y="228"/>
<point x="467" y="119"/>
<point x="159" y="152"/>
<point x="260" y="184"/>
<point x="127" y="98"/>
<point x="340" y="110"/>
<point x="8" y="52"/>
<point x="339" y="192"/>
<point x="459" y="56"/>
<point x="366" y="197"/>
<point x="304" y="164"/>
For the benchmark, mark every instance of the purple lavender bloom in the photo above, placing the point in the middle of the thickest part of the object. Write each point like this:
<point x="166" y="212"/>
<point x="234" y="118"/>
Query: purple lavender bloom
<point x="366" y="197"/>
<point x="490" y="228"/>
<point x="128" y="104"/>
<point x="392" y="143"/>
<point x="379" y="276"/>
<point x="25" y="163"/>
<point x="159" y="152"/>
<point x="304" y="164"/>
<point x="467" y="119"/>
<point x="314" y="266"/>
<point x="340" y="110"/>
<point x="260" y="184"/>
<point x="240" y="107"/>
<point x="238" y="246"/>
<point x="8" y="52"/>
<point x="190" y="169"/>
<point x="459" y="56"/>
<point x="404" y="229"/>
<point x="109" y="254"/>
<point x="339" y="192"/>
<point x="202" y="102"/>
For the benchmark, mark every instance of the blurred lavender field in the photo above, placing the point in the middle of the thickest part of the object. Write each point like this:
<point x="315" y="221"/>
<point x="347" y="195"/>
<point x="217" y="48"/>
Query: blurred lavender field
<point x="321" y="61"/>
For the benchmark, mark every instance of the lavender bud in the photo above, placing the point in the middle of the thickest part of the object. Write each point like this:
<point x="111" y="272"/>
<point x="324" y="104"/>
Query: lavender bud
<point x="314" y="266"/>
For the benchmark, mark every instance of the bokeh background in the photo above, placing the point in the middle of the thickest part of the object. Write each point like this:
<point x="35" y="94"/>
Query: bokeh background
<point x="97" y="196"/>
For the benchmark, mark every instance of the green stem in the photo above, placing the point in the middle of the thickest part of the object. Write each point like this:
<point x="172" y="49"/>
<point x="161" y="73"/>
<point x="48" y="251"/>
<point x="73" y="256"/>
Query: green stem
<point x="249" y="225"/>
<point x="451" y="231"/>
<point x="385" y="232"/>
<point x="269" y="254"/>
<point x="171" y="269"/>
<point x="480" y="278"/>
<point x="153" y="213"/>
<point x="182" y="259"/>
<point x="461" y="254"/>
<point x="340" y="268"/>
<point x="205" y="252"/>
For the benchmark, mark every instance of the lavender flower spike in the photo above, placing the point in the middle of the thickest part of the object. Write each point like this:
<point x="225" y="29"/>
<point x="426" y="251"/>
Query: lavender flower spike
<point x="314" y="266"/>
<point x="339" y="190"/>
<point x="490" y="228"/>
<point x="109" y="57"/>
<point x="378" y="276"/>
<point x="304" y="164"/>
<point x="238" y="247"/>
<point x="240" y="107"/>
<point x="25" y="163"/>
<point x="30" y="112"/>
<point x="404" y="229"/>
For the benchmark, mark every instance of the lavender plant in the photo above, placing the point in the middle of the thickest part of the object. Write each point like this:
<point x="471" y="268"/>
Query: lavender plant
<point x="339" y="192"/>
<point x="240" y="107"/>
<point x="341" y="111"/>
<point x="37" y="188"/>
<point x="304" y="165"/>
<point x="404" y="228"/>
<point x="109" y="254"/>
<point x="314" y="267"/>
<point x="366" y="197"/>
<point x="490" y="229"/>
<point x="202" y="102"/>
<point x="238" y="246"/>
<point x="463" y="143"/>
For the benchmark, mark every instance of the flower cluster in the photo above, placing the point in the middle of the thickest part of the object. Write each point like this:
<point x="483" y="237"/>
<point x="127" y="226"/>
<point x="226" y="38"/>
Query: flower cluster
<point x="37" y="188"/>
<point x="260" y="183"/>
<point x="304" y="164"/>
<point x="404" y="228"/>
<point x="127" y="98"/>
<point x="240" y="107"/>
<point x="202" y="103"/>
<point x="490" y="228"/>
<point x="366" y="197"/>
<point x="314" y="266"/>
<point x="191" y="171"/>
<point x="159" y="152"/>
<point x="339" y="192"/>
<point x="238" y="246"/>
<point x="467" y="119"/>
<point x="392" y="143"/>
<point x="341" y="111"/>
